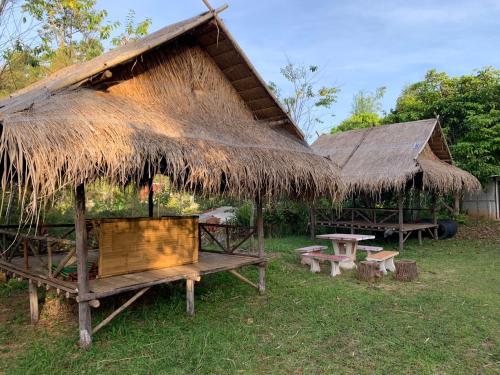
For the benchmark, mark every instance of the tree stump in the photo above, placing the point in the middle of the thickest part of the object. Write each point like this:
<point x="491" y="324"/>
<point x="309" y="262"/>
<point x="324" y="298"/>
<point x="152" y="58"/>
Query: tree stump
<point x="369" y="271"/>
<point x="406" y="270"/>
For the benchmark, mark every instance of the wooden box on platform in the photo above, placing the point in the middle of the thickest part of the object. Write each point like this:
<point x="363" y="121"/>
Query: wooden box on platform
<point x="141" y="244"/>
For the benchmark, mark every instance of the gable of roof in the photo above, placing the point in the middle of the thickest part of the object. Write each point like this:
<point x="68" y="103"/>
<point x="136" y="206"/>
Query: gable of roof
<point x="387" y="156"/>
<point x="208" y="30"/>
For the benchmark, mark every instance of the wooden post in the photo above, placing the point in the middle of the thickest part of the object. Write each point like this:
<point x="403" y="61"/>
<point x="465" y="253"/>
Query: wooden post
<point x="228" y="241"/>
<point x="352" y="220"/>
<point x="84" y="319"/>
<point x="49" y="258"/>
<point x="150" y="197"/>
<point x="434" y="215"/>
<point x="190" y="296"/>
<point x="33" y="295"/>
<point x="25" y="254"/>
<point x="456" y="204"/>
<point x="400" y="220"/>
<point x="260" y="239"/>
<point x="420" y="237"/>
<point x="312" y="222"/>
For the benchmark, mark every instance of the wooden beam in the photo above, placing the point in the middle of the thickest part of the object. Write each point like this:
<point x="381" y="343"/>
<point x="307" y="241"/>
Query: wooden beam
<point x="118" y="310"/>
<point x="150" y="197"/>
<point x="25" y="254"/>
<point x="434" y="215"/>
<point x="49" y="258"/>
<point x="400" y="220"/>
<point x="312" y="222"/>
<point x="33" y="294"/>
<point x="243" y="278"/>
<point x="260" y="240"/>
<point x="190" y="296"/>
<point x="63" y="262"/>
<point x="84" y="318"/>
<point x="37" y="238"/>
<point x="55" y="283"/>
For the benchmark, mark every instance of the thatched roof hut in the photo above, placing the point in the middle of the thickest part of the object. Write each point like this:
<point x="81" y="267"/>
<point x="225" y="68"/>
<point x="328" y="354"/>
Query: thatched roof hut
<point x="184" y="101"/>
<point x="390" y="157"/>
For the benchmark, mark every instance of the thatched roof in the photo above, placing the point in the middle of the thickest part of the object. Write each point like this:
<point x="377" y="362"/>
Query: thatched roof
<point x="184" y="101"/>
<point x="392" y="156"/>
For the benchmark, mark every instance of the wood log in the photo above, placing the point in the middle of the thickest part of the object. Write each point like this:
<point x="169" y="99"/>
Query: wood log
<point x="406" y="270"/>
<point x="190" y="297"/>
<point x="33" y="294"/>
<point x="84" y="319"/>
<point x="118" y="310"/>
<point x="369" y="271"/>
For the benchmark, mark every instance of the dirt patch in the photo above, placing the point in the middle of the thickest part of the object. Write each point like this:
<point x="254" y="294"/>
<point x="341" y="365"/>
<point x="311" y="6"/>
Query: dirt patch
<point x="479" y="229"/>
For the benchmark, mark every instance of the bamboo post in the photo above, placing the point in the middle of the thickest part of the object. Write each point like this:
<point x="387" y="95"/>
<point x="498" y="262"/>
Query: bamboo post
<point x="150" y="197"/>
<point x="84" y="319"/>
<point x="33" y="296"/>
<point x="312" y="222"/>
<point x="190" y="296"/>
<point x="260" y="239"/>
<point x="400" y="221"/>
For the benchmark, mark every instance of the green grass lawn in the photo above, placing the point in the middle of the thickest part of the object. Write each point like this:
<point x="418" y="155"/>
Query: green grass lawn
<point x="446" y="322"/>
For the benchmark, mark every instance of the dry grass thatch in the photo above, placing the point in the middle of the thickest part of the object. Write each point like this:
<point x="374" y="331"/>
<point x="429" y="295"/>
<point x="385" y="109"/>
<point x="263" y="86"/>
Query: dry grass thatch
<point x="388" y="157"/>
<point x="170" y="112"/>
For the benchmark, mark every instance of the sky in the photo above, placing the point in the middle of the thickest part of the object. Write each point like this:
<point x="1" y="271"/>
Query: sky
<point x="358" y="44"/>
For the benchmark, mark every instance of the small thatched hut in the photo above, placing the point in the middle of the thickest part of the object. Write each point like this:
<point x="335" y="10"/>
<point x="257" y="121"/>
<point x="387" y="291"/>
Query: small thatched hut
<point x="185" y="102"/>
<point x="394" y="158"/>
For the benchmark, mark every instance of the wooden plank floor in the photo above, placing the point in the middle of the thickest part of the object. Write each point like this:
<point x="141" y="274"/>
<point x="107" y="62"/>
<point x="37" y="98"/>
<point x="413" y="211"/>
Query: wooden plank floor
<point x="207" y="263"/>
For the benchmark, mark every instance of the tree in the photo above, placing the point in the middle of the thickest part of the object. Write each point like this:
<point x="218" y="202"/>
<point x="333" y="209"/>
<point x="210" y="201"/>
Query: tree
<point x="133" y="30"/>
<point x="38" y="37"/>
<point x="307" y="100"/>
<point x="368" y="102"/>
<point x="469" y="110"/>
<point x="70" y="30"/>
<point x="359" y="121"/>
<point x="365" y="110"/>
<point x="19" y="65"/>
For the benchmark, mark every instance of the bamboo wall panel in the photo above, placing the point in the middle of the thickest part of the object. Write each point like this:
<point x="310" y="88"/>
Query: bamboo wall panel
<point x="133" y="245"/>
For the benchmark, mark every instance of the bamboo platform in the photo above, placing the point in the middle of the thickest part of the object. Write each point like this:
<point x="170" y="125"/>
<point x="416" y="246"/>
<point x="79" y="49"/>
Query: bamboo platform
<point x="209" y="262"/>
<point x="359" y="224"/>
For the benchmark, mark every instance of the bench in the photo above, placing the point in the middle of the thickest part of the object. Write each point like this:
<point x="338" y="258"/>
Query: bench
<point x="370" y="249"/>
<point x="385" y="260"/>
<point x="309" y="249"/>
<point x="316" y="257"/>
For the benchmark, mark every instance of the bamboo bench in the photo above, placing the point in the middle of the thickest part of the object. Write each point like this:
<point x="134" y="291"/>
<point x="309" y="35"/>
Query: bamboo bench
<point x="316" y="257"/>
<point x="309" y="249"/>
<point x="370" y="249"/>
<point x="385" y="260"/>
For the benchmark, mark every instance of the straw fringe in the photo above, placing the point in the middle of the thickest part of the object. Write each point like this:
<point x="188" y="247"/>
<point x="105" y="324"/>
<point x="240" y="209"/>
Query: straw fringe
<point x="175" y="113"/>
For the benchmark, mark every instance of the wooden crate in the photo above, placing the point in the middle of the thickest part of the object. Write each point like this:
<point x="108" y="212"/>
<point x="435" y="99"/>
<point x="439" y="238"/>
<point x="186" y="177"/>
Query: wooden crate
<point x="141" y="244"/>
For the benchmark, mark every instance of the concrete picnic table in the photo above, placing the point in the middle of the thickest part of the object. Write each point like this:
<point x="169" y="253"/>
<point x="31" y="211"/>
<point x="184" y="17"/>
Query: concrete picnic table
<point x="346" y="244"/>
